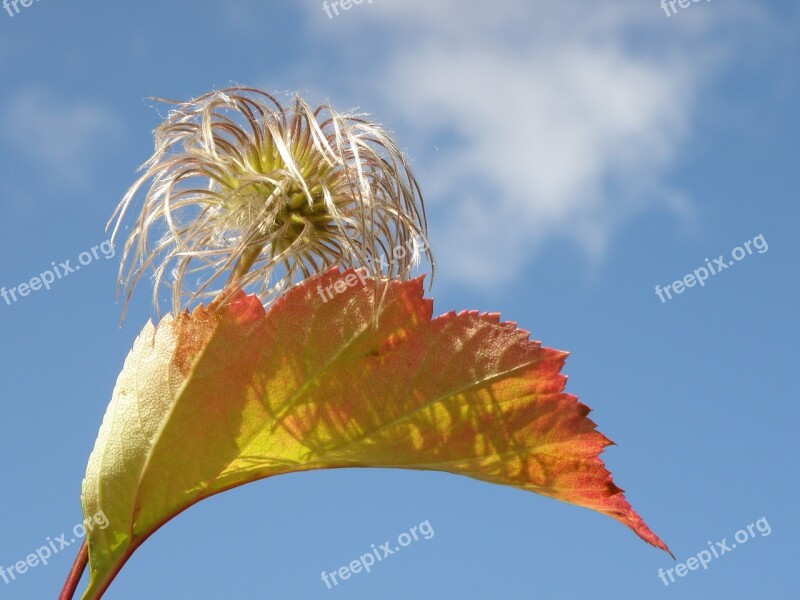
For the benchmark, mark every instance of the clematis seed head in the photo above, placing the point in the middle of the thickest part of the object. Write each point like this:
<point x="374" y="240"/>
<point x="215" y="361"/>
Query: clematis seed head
<point x="244" y="192"/>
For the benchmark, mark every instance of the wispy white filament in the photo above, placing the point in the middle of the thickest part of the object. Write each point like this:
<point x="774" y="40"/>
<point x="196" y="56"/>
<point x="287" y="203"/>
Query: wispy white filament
<point x="242" y="191"/>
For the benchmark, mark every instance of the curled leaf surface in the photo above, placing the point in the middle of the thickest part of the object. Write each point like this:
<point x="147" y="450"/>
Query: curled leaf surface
<point x="225" y="395"/>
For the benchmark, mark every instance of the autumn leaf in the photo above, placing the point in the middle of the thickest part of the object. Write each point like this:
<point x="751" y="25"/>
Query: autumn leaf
<point x="227" y="395"/>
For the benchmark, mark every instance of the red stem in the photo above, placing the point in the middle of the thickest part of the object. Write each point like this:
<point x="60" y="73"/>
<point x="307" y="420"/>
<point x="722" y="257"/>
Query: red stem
<point x="75" y="574"/>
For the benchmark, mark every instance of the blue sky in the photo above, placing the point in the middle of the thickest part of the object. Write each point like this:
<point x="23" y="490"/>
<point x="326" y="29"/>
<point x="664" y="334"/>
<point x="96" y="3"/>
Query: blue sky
<point x="573" y="156"/>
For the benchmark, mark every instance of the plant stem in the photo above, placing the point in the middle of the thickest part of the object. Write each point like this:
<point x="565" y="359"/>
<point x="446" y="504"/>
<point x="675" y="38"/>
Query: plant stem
<point x="75" y="574"/>
<point x="248" y="258"/>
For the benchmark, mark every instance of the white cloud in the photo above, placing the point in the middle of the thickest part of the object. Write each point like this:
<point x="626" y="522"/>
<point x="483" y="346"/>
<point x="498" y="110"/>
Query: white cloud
<point x="64" y="140"/>
<point x="563" y="118"/>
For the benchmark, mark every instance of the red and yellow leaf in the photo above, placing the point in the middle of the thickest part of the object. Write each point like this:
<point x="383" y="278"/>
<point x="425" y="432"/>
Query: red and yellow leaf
<point x="227" y="395"/>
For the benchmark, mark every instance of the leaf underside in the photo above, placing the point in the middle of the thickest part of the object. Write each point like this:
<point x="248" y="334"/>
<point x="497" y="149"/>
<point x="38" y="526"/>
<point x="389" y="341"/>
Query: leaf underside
<point x="227" y="395"/>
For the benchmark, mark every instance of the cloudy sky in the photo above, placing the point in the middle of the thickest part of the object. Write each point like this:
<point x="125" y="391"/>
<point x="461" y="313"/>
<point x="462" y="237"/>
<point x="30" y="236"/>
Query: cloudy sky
<point x="573" y="155"/>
